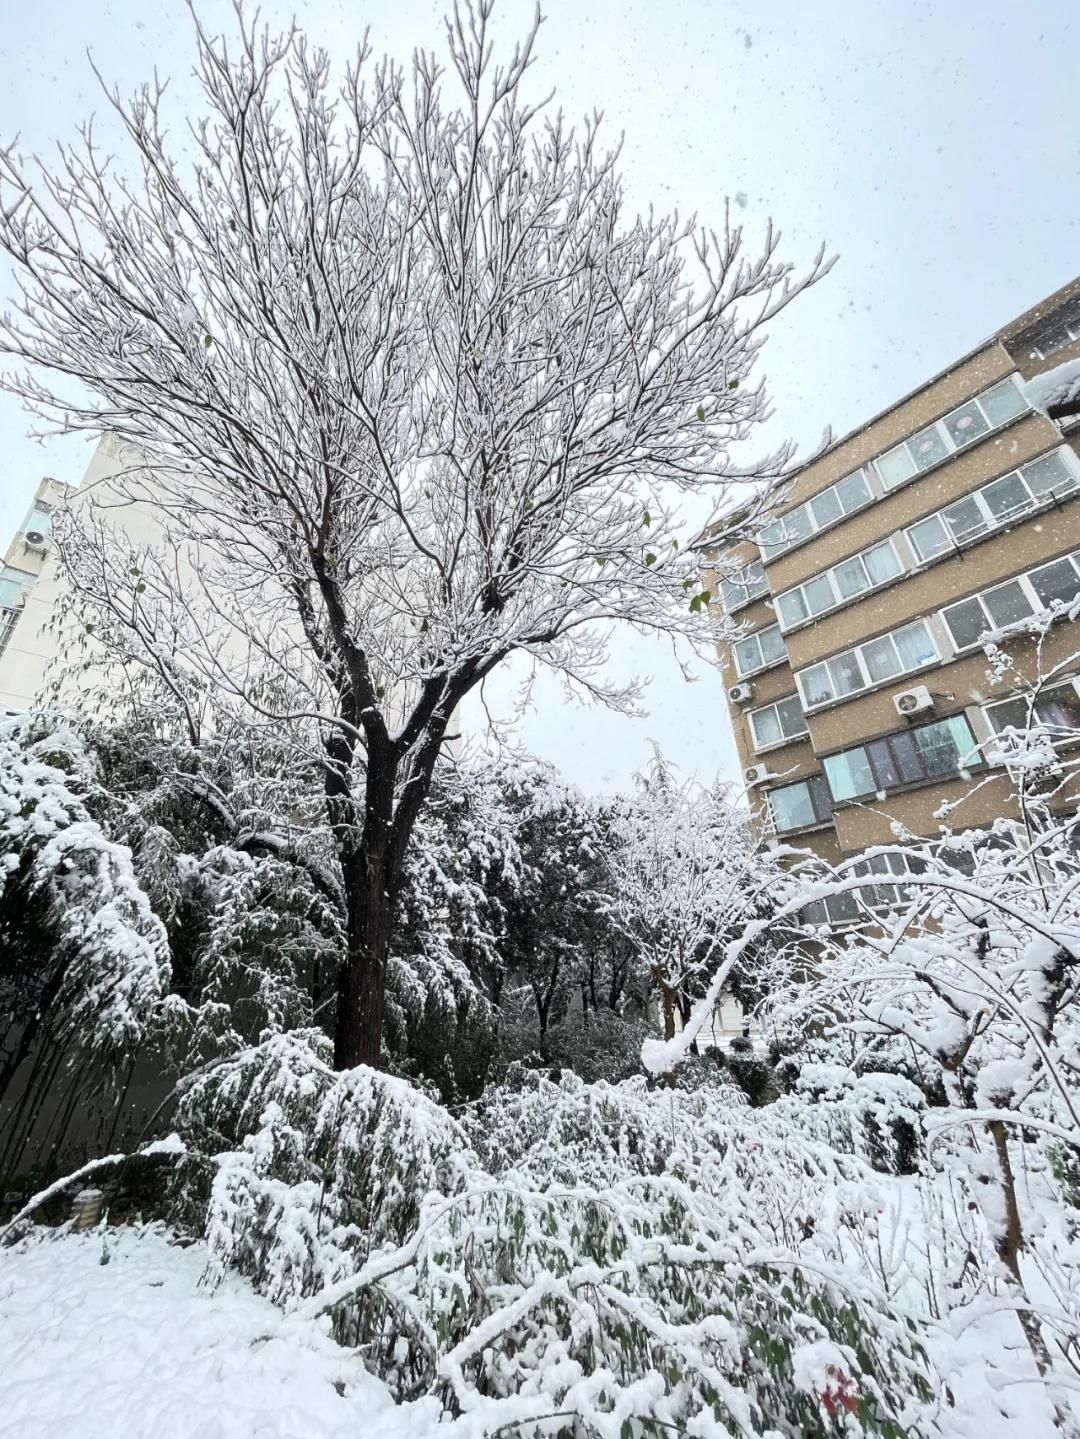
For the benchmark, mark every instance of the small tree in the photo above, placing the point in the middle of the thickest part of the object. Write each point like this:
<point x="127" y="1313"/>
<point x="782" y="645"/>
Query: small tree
<point x="410" y="389"/>
<point x="687" y="877"/>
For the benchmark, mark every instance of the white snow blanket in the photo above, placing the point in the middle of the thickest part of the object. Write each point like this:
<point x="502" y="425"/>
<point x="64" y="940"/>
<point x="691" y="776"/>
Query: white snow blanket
<point x="137" y="1348"/>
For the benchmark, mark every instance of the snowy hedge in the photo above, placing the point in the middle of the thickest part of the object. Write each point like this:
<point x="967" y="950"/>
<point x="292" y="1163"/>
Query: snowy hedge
<point x="608" y="1253"/>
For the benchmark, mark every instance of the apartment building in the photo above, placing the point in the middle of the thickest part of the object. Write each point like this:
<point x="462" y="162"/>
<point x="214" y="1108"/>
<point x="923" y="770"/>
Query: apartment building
<point x="23" y="643"/>
<point x="859" y="686"/>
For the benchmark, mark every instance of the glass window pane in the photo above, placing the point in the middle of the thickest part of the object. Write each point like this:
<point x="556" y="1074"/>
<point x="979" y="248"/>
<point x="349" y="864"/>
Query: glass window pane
<point x="792" y="719"/>
<point x="766" y="726"/>
<point x="966" y="622"/>
<point x="1059" y="708"/>
<point x="820" y="797"/>
<point x="1007" y="496"/>
<point x="895" y="466"/>
<point x="965" y="519"/>
<point x="914" y="645"/>
<point x="1058" y="581"/>
<point x="851" y="578"/>
<point x="906" y="757"/>
<point x="1007" y="604"/>
<point x="853" y="492"/>
<point x="929" y="537"/>
<point x="814" y="912"/>
<point x="849" y="774"/>
<point x="881" y="563"/>
<point x="826" y="508"/>
<point x="792" y="608"/>
<point x="771" y="539"/>
<point x="792" y="806"/>
<point x="881" y="659"/>
<point x="747" y="654"/>
<point x="819" y="594"/>
<point x="966" y="424"/>
<point x="1004" y="402"/>
<point x="927" y="447"/>
<point x="886" y="775"/>
<point x="1050" y="475"/>
<point x="772" y="645"/>
<point x="845" y="673"/>
<point x="796" y="526"/>
<point x="13" y="586"/>
<point x="1009" y="714"/>
<point x="944" y="746"/>
<point x="40" y="518"/>
<point x="842" y="907"/>
<point x="816" y="687"/>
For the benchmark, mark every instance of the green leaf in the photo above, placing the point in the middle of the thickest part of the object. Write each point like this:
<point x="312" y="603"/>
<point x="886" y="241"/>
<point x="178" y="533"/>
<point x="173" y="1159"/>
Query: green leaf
<point x="695" y="604"/>
<point x="701" y="413"/>
<point x="646" y="518"/>
<point x="650" y="558"/>
<point x="140" y="587"/>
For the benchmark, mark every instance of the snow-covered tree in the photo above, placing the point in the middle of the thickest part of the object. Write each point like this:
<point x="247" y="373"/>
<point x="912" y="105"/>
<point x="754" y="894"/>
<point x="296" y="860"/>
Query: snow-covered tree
<point x="413" y="392"/>
<point x="83" y="957"/>
<point x="687" y="875"/>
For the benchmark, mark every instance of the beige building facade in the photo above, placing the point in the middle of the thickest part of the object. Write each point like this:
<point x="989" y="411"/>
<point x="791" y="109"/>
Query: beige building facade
<point x="34" y="596"/>
<point x="859" y="687"/>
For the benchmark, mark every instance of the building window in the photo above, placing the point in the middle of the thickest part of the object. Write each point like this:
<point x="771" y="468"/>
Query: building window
<point x="856" y="576"/>
<point x="900" y="652"/>
<point x="777" y="722"/>
<point x="956" y="430"/>
<point x="800" y="805"/>
<point x="759" y="650"/>
<point x="933" y="751"/>
<point x="851" y="493"/>
<point x="1057" y="583"/>
<point x="8" y="620"/>
<point x="1056" y="708"/>
<point x="40" y="518"/>
<point x="13" y="587"/>
<point x="745" y="585"/>
<point x="995" y="504"/>
<point x="884" y="890"/>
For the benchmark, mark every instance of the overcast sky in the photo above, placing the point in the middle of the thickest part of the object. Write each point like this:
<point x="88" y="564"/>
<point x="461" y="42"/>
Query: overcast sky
<point x="933" y="146"/>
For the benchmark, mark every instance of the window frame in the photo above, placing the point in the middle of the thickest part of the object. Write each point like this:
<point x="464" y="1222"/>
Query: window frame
<point x="992" y="522"/>
<point x="731" y="582"/>
<point x="869" y="682"/>
<point x="1071" y="683"/>
<point x="973" y="760"/>
<point x="952" y="446"/>
<point x="829" y="576"/>
<point x="769" y="552"/>
<point x="1023" y="580"/>
<point x="765" y="664"/>
<point x="760" y="746"/>
<point x="817" y="788"/>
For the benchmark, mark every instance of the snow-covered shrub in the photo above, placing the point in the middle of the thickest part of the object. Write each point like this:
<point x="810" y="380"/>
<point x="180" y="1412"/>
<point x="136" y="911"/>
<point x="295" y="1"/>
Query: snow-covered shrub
<point x="606" y="1252"/>
<point x="97" y="980"/>
<point x="877" y="1116"/>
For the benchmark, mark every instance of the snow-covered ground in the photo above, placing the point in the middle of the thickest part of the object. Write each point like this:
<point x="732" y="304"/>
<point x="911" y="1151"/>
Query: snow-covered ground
<point x="114" y="1336"/>
<point x="137" y="1348"/>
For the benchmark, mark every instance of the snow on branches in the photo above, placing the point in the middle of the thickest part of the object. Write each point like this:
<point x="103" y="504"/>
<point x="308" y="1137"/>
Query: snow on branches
<point x="409" y="391"/>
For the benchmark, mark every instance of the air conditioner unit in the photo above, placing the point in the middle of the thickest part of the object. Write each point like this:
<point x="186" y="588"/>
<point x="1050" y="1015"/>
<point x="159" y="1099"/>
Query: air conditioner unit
<point x="913" y="702"/>
<point x="756" y="774"/>
<point x="36" y="539"/>
<point x="739" y="694"/>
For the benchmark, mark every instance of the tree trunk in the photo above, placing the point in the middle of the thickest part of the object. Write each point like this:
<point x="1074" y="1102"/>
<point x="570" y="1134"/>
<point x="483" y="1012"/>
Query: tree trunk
<point x="1010" y="1242"/>
<point x="361" y="983"/>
